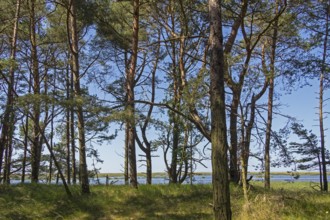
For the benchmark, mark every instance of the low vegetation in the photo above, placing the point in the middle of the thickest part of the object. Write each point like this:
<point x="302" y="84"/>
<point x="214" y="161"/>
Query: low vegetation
<point x="283" y="201"/>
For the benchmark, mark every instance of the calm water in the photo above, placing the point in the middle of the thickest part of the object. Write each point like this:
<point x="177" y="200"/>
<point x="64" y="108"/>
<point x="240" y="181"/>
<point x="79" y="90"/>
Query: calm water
<point x="197" y="179"/>
<point x="207" y="179"/>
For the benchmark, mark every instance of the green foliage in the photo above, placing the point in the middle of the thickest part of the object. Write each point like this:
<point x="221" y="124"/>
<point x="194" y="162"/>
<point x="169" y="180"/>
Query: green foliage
<point x="308" y="152"/>
<point x="114" y="23"/>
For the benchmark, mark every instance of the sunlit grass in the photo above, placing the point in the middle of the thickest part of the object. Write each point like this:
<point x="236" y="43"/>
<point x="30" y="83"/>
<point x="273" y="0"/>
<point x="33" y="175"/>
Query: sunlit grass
<point x="283" y="201"/>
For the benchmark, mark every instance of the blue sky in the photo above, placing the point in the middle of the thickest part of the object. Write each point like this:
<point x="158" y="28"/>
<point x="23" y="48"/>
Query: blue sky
<point x="301" y="104"/>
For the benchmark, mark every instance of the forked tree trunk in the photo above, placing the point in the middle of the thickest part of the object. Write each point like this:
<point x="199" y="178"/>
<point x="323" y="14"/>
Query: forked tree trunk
<point x="147" y="148"/>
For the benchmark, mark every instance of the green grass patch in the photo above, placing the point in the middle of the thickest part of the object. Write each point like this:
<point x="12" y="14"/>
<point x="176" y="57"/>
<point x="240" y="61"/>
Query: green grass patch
<point x="283" y="201"/>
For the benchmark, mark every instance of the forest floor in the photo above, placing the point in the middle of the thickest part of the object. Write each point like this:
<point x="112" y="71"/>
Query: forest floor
<point x="283" y="201"/>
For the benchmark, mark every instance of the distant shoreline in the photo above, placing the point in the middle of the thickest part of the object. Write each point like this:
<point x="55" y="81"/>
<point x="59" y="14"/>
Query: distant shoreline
<point x="160" y="174"/>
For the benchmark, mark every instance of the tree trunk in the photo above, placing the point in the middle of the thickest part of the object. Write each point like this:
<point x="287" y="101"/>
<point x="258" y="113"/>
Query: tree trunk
<point x="126" y="163"/>
<point x="67" y="135"/>
<point x="26" y="131"/>
<point x="234" y="170"/>
<point x="52" y="135"/>
<point x="323" y="72"/>
<point x="147" y="149"/>
<point x="234" y="167"/>
<point x="84" y="182"/>
<point x="270" y="102"/>
<point x="220" y="182"/>
<point x="8" y="116"/>
<point x="26" y="137"/>
<point x="126" y="159"/>
<point x="320" y="171"/>
<point x="268" y="133"/>
<point x="175" y="147"/>
<point x="57" y="165"/>
<point x="130" y="96"/>
<point x="246" y="132"/>
<point x="36" y="144"/>
<point x="72" y="133"/>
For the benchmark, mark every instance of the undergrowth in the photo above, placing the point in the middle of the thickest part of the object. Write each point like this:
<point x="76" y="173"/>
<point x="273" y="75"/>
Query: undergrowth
<point x="283" y="201"/>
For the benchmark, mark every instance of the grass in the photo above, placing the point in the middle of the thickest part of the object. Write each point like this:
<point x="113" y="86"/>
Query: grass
<point x="283" y="201"/>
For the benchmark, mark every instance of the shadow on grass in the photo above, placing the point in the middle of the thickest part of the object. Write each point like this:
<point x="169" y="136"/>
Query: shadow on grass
<point x="41" y="201"/>
<point x="168" y="202"/>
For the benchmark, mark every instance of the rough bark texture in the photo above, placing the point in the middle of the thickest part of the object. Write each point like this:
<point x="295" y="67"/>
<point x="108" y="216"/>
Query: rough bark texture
<point x="77" y="95"/>
<point x="221" y="193"/>
<point x="234" y="170"/>
<point x="130" y="96"/>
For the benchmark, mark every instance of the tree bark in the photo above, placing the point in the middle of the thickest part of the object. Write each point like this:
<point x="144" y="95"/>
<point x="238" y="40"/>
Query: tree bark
<point x="26" y="137"/>
<point x="9" y="115"/>
<point x="72" y="134"/>
<point x="130" y="96"/>
<point x="73" y="41"/>
<point x="36" y="144"/>
<point x="270" y="101"/>
<point x="321" y="91"/>
<point x="67" y="127"/>
<point x="126" y="159"/>
<point x="220" y="182"/>
<point x="233" y="149"/>
<point x="233" y="169"/>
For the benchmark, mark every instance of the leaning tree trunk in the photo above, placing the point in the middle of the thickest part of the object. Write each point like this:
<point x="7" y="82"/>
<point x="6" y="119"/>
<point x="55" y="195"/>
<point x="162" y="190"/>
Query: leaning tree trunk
<point x="73" y="40"/>
<point x="220" y="182"/>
